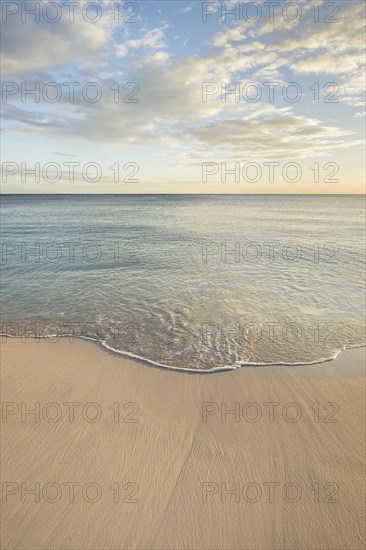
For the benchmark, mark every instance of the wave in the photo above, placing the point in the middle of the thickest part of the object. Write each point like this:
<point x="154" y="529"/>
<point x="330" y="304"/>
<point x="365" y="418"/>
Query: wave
<point x="236" y="365"/>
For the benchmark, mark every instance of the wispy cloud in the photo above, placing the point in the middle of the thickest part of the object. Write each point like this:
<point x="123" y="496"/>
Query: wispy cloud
<point x="170" y="113"/>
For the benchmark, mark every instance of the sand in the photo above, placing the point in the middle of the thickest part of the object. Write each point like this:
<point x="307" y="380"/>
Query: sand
<point x="152" y="459"/>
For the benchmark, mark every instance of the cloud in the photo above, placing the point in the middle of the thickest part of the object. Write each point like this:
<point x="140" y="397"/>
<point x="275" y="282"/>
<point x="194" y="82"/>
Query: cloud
<point x="304" y="46"/>
<point x="329" y="64"/>
<point x="187" y="9"/>
<point x="170" y="113"/>
<point x="153" y="39"/>
<point x="33" y="46"/>
<point x="230" y="35"/>
<point x="267" y="138"/>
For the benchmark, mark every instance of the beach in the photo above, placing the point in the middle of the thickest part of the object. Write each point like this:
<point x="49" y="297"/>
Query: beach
<point x="117" y="454"/>
<point x="182" y="292"/>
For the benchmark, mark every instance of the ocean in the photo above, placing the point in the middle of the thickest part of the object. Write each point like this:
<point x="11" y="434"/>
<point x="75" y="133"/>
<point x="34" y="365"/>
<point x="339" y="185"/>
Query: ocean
<point x="194" y="282"/>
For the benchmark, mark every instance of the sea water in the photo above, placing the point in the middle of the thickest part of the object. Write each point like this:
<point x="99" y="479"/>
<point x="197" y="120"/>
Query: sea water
<point x="187" y="281"/>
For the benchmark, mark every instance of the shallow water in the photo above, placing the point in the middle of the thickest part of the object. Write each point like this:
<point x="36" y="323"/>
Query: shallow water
<point x="199" y="282"/>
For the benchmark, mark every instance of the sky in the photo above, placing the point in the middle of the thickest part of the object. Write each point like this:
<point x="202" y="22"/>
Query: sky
<point x="173" y="96"/>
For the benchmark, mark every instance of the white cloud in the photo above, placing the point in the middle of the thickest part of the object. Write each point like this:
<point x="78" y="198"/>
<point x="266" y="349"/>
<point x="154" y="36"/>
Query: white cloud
<point x="187" y="9"/>
<point x="34" y="46"/>
<point x="153" y="39"/>
<point x="171" y="112"/>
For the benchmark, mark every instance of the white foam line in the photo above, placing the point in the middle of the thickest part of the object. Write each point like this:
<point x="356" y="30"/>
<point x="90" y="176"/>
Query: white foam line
<point x="237" y="365"/>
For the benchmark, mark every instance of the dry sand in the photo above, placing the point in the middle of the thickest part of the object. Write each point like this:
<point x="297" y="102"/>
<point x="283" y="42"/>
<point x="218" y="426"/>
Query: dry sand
<point x="294" y="485"/>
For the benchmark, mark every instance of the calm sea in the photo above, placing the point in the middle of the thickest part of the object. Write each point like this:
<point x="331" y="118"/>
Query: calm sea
<point x="192" y="282"/>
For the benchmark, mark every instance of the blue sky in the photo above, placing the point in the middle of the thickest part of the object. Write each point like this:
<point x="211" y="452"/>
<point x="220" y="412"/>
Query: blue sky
<point x="170" y="137"/>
